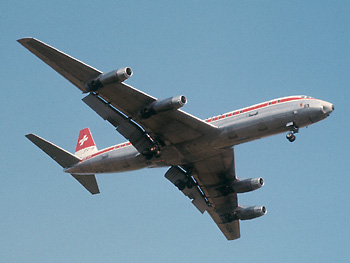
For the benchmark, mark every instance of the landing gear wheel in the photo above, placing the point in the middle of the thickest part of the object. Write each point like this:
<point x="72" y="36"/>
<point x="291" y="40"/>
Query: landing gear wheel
<point x="153" y="152"/>
<point x="293" y="129"/>
<point x="180" y="184"/>
<point x="291" y="137"/>
<point x="189" y="184"/>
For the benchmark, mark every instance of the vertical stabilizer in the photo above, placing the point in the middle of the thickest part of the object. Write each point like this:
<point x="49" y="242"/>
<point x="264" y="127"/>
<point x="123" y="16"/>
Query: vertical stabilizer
<point x="85" y="145"/>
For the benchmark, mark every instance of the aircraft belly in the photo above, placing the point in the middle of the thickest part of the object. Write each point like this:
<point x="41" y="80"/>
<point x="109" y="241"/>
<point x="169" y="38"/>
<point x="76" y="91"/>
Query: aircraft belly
<point x="111" y="162"/>
<point x="197" y="149"/>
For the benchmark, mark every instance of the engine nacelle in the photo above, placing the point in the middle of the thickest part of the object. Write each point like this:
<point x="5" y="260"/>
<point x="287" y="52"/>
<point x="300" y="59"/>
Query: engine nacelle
<point x="172" y="103"/>
<point x="247" y="185"/>
<point x="247" y="213"/>
<point x="104" y="79"/>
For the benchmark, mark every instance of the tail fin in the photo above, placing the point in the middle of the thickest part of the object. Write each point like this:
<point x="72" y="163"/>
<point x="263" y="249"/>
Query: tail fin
<point x="85" y="145"/>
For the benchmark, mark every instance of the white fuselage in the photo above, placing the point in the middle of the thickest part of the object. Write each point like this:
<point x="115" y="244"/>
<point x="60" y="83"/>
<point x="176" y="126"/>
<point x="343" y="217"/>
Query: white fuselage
<point x="233" y="128"/>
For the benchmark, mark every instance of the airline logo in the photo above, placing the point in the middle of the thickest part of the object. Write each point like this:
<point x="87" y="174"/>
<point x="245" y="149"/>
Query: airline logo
<point x="85" y="140"/>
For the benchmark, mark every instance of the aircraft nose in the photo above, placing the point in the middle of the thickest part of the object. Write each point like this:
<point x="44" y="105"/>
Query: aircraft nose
<point x="328" y="108"/>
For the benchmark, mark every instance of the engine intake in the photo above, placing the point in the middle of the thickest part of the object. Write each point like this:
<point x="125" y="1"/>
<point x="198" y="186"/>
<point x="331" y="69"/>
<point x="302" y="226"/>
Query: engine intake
<point x="172" y="103"/>
<point x="105" y="79"/>
<point x="247" y="213"/>
<point x="247" y="185"/>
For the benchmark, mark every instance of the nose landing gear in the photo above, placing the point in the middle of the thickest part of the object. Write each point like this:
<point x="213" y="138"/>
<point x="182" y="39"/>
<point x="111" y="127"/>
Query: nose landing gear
<point x="293" y="129"/>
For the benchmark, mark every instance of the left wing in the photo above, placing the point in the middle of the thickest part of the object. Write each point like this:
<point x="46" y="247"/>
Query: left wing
<point x="211" y="189"/>
<point x="216" y="179"/>
<point x="215" y="175"/>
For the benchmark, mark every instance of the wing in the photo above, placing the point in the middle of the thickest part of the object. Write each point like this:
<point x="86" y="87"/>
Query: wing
<point x="171" y="126"/>
<point x="212" y="189"/>
<point x="215" y="176"/>
<point x="70" y="68"/>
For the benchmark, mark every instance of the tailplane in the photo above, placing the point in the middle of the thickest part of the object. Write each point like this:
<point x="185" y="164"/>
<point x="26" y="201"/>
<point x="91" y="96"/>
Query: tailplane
<point x="62" y="157"/>
<point x="85" y="145"/>
<point x="66" y="159"/>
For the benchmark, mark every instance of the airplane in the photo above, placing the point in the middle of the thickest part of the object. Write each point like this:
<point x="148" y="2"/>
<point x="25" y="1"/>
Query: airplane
<point x="199" y="153"/>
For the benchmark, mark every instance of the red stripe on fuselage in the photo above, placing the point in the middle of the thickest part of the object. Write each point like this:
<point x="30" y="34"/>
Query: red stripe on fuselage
<point x="259" y="106"/>
<point x="119" y="146"/>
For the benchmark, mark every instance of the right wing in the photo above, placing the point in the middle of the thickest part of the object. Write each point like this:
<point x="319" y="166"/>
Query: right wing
<point x="171" y="126"/>
<point x="75" y="71"/>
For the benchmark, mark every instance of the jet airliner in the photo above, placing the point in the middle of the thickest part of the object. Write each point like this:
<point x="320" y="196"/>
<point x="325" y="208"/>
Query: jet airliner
<point x="199" y="153"/>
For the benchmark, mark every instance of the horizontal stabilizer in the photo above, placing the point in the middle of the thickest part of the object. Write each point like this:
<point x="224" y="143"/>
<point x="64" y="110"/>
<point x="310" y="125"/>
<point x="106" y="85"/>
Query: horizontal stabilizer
<point x="75" y="71"/>
<point x="62" y="157"/>
<point x="88" y="181"/>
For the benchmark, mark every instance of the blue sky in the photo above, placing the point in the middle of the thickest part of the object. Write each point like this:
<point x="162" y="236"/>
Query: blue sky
<point x="223" y="55"/>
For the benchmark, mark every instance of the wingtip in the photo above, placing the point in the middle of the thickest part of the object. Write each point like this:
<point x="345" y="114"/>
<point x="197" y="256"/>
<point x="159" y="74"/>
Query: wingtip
<point x="24" y="40"/>
<point x="29" y="135"/>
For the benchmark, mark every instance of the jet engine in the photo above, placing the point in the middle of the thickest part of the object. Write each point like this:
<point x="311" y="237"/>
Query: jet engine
<point x="247" y="185"/>
<point x="172" y="103"/>
<point x="246" y="213"/>
<point x="104" y="79"/>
